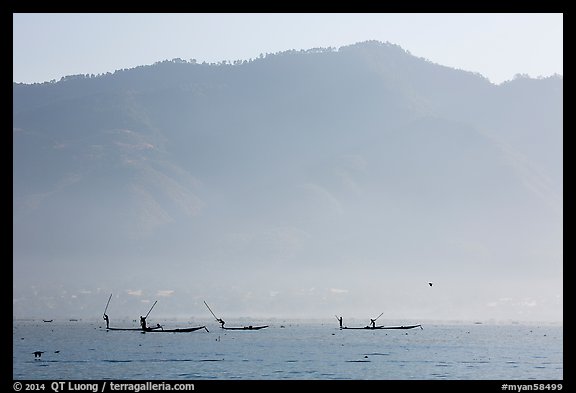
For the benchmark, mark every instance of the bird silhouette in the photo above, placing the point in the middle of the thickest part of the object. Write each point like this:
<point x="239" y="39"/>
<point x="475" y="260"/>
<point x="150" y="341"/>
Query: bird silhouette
<point x="430" y="283"/>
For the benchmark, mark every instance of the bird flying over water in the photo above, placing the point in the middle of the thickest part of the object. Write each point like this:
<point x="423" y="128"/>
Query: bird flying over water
<point x="430" y="283"/>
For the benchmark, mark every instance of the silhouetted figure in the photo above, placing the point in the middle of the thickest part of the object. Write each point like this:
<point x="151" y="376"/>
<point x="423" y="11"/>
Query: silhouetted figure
<point x="107" y="321"/>
<point x="221" y="321"/>
<point x="38" y="354"/>
<point x="373" y="322"/>
<point x="430" y="283"/>
<point x="158" y="326"/>
<point x="340" y="321"/>
<point x="143" y="322"/>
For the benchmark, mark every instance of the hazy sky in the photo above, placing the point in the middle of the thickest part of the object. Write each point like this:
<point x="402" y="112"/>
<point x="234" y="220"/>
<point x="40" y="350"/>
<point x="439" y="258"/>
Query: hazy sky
<point x="496" y="45"/>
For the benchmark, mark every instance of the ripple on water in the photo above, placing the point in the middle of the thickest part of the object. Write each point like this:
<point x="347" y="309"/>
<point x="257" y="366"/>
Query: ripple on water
<point x="434" y="353"/>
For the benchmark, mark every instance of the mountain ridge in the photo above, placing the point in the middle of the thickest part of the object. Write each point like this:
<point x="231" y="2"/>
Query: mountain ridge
<point x="353" y="157"/>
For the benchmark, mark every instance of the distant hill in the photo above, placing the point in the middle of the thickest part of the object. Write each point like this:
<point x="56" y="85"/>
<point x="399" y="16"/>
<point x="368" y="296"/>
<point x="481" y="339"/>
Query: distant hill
<point x="300" y="158"/>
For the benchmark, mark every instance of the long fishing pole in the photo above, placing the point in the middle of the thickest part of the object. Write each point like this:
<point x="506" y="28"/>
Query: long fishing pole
<point x="378" y="317"/>
<point x="210" y="310"/>
<point x="151" y="309"/>
<point x="106" y="309"/>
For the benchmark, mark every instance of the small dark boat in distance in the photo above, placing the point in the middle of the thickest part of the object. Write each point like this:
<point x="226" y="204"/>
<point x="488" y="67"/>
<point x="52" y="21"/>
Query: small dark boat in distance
<point x="403" y="327"/>
<point x="177" y="330"/>
<point x="363" y="328"/>
<point x="160" y="329"/>
<point x="149" y="329"/>
<point x="373" y="326"/>
<point x="219" y="320"/>
<point x="246" y="327"/>
<point x="47" y="320"/>
<point x="383" y="327"/>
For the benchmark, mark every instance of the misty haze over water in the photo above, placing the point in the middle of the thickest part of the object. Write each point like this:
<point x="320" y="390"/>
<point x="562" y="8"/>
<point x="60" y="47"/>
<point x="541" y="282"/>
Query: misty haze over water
<point x="300" y="184"/>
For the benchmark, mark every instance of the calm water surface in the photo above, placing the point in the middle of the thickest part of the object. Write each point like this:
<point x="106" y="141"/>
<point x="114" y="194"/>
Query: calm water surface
<point x="311" y="351"/>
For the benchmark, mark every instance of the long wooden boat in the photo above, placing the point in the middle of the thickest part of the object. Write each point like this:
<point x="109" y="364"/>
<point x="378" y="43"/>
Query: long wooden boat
<point x="245" y="327"/>
<point x="177" y="330"/>
<point x="150" y="329"/>
<point x="160" y="329"/>
<point x="404" y="327"/>
<point x="383" y="327"/>
<point x="250" y="327"/>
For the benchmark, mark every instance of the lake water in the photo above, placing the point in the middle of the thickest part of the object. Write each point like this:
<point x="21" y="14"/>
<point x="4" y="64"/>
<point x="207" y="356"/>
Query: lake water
<point x="288" y="351"/>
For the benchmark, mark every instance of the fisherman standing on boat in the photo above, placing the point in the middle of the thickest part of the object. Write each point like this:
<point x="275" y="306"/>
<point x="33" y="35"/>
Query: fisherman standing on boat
<point x="143" y="322"/>
<point x="221" y="321"/>
<point x="340" y="321"/>
<point x="107" y="321"/>
<point x="373" y="322"/>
